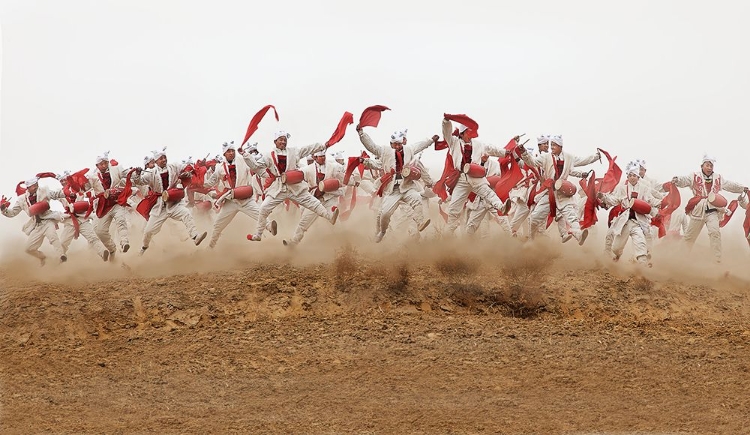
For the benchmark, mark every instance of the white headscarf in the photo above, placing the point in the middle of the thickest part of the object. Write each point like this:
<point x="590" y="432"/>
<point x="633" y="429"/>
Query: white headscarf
<point x="633" y="168"/>
<point x="102" y="158"/>
<point x="642" y="163"/>
<point x="280" y="133"/>
<point x="226" y="146"/>
<point x="251" y="148"/>
<point x="147" y="160"/>
<point x="66" y="173"/>
<point x="461" y="128"/>
<point x="707" y="158"/>
<point x="558" y="139"/>
<point x="319" y="153"/>
<point x="158" y="154"/>
<point x="399" y="135"/>
<point x="31" y="181"/>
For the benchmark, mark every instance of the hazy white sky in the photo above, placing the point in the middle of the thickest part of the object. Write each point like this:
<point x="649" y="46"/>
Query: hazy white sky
<point x="660" y="80"/>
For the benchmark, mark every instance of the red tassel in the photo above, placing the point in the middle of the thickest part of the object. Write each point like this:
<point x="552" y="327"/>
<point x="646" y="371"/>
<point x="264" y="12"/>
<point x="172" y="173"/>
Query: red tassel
<point x="463" y="119"/>
<point x="732" y="207"/>
<point x="253" y="126"/>
<point x="612" y="177"/>
<point x="589" y="209"/>
<point x="371" y="116"/>
<point x="340" y="131"/>
<point x="508" y="180"/>
<point x="352" y="164"/>
<point x="20" y="190"/>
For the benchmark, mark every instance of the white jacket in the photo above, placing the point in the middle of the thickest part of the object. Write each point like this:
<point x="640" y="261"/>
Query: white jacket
<point x="478" y="149"/>
<point x="152" y="179"/>
<point x="546" y="163"/>
<point x="696" y="183"/>
<point x="23" y="203"/>
<point x="116" y="173"/>
<point x="387" y="157"/>
<point x="267" y="163"/>
<point x="622" y="195"/>
<point x="331" y="170"/>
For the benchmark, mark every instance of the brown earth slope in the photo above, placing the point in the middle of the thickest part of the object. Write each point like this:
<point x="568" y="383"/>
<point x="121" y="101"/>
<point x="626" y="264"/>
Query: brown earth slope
<point x="437" y="337"/>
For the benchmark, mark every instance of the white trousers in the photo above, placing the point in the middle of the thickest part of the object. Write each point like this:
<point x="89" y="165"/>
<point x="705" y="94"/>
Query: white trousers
<point x="480" y="219"/>
<point x="119" y="215"/>
<point x="461" y="194"/>
<point x="519" y="215"/>
<point x="711" y="222"/>
<point x="309" y="217"/>
<point x="44" y="229"/>
<point x="228" y="211"/>
<point x="304" y="199"/>
<point x="86" y="229"/>
<point x="566" y="217"/>
<point x="390" y="204"/>
<point x="633" y="230"/>
<point x="177" y="212"/>
<point x="405" y="215"/>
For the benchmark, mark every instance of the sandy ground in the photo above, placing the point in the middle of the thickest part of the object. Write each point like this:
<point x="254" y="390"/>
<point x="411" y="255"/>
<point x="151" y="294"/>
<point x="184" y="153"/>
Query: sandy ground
<point x="340" y="335"/>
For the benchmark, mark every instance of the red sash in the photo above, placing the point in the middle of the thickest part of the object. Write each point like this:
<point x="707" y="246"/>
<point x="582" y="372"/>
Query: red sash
<point x="692" y="202"/>
<point x="384" y="180"/>
<point x="616" y="211"/>
<point x="549" y="184"/>
<point x="448" y="180"/>
<point x="144" y="207"/>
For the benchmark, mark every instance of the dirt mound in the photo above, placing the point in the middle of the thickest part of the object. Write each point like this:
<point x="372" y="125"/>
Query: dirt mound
<point x="336" y="335"/>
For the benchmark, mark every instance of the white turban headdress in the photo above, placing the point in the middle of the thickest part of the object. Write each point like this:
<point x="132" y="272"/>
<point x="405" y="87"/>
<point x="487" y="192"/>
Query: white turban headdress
<point x="281" y="133"/>
<point x="707" y="158"/>
<point x="320" y="154"/>
<point x="31" y="181"/>
<point x="557" y="139"/>
<point x="251" y="148"/>
<point x="158" y="154"/>
<point x="66" y="173"/>
<point x="226" y="146"/>
<point x="102" y="158"/>
<point x="542" y="139"/>
<point x="633" y="168"/>
<point x="399" y="135"/>
<point x="147" y="160"/>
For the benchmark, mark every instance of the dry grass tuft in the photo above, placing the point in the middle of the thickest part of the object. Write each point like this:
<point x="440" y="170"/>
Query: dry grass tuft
<point x="518" y="302"/>
<point x="470" y="296"/>
<point x="398" y="279"/>
<point x="455" y="266"/>
<point x="642" y="285"/>
<point x="522" y="296"/>
<point x="345" y="266"/>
